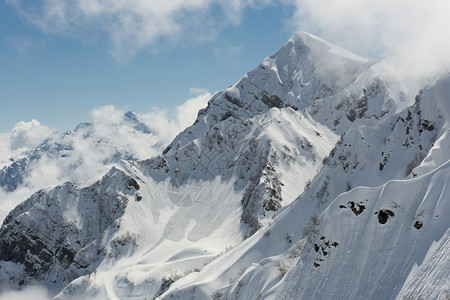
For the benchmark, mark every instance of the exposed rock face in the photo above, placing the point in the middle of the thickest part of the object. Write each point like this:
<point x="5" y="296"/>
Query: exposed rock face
<point x="11" y="176"/>
<point x="48" y="234"/>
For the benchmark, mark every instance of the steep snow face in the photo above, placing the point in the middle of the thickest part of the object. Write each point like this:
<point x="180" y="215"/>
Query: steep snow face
<point x="440" y="152"/>
<point x="378" y="241"/>
<point x="346" y="230"/>
<point x="425" y="278"/>
<point x="366" y="101"/>
<point x="305" y="69"/>
<point x="368" y="240"/>
<point x="369" y="156"/>
<point x="276" y="153"/>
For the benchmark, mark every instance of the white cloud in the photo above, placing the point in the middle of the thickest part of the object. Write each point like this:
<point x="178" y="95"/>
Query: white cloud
<point x="187" y="112"/>
<point x="5" y="148"/>
<point x="28" y="134"/>
<point x="198" y="92"/>
<point x="107" y="114"/>
<point x="24" y="136"/>
<point x="89" y="152"/>
<point x="31" y="292"/>
<point x="112" y="127"/>
<point x="138" y="24"/>
<point x="413" y="36"/>
<point x="167" y="125"/>
<point x="234" y="8"/>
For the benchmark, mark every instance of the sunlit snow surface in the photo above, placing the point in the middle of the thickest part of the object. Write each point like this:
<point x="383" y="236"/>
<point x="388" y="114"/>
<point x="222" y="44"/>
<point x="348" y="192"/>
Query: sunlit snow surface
<point x="313" y="177"/>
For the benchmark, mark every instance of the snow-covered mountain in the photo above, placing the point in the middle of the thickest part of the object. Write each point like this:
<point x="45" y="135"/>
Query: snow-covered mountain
<point x="85" y="153"/>
<point x="312" y="177"/>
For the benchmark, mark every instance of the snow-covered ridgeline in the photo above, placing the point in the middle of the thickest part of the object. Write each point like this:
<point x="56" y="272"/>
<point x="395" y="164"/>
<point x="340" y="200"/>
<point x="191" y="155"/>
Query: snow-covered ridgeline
<point x="286" y="173"/>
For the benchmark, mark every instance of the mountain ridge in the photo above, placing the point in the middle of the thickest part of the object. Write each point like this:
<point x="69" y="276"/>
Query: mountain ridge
<point x="239" y="204"/>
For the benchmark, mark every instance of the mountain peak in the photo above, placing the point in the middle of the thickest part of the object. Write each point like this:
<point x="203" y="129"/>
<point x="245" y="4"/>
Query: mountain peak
<point x="319" y="46"/>
<point x="136" y="122"/>
<point x="131" y="115"/>
<point x="84" y="126"/>
<point x="307" y="68"/>
<point x="304" y="70"/>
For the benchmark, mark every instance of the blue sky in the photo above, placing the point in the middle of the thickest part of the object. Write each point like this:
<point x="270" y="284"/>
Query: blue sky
<point x="61" y="59"/>
<point x="58" y="79"/>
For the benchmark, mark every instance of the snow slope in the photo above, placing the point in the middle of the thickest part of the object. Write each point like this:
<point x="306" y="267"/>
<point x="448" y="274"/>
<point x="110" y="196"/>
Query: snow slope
<point x="333" y="229"/>
<point x="308" y="179"/>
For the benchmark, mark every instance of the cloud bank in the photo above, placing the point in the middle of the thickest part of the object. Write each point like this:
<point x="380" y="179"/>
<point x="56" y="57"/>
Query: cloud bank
<point x="28" y="135"/>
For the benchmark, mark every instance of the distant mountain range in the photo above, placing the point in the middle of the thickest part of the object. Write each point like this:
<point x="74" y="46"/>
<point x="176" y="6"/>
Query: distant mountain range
<point x="80" y="155"/>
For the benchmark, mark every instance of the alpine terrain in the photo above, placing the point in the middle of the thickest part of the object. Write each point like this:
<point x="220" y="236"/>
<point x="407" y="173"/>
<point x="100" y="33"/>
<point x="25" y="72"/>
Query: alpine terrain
<point x="313" y="177"/>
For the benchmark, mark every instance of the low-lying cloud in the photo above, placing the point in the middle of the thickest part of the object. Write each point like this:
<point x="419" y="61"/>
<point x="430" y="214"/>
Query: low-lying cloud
<point x="28" y="134"/>
<point x="24" y="136"/>
<point x="167" y="124"/>
<point x="85" y="154"/>
<point x="31" y="292"/>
